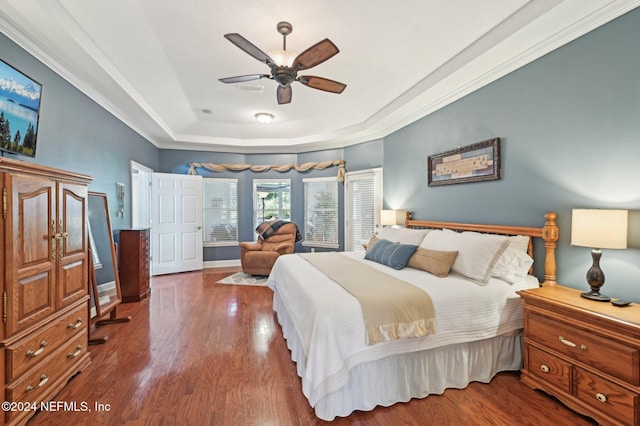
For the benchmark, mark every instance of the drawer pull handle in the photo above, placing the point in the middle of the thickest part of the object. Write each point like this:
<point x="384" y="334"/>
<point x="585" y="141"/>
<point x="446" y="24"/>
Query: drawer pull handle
<point x="601" y="397"/>
<point x="545" y="368"/>
<point x="33" y="354"/>
<point x="76" y="353"/>
<point x="78" y="324"/>
<point x="43" y="380"/>
<point x="571" y="344"/>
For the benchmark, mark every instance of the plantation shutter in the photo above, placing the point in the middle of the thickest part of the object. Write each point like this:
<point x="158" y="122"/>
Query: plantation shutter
<point x="363" y="203"/>
<point x="321" y="212"/>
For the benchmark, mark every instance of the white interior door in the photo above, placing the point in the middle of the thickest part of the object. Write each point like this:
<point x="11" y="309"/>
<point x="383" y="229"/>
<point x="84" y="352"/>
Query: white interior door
<point x="140" y="195"/>
<point x="176" y="233"/>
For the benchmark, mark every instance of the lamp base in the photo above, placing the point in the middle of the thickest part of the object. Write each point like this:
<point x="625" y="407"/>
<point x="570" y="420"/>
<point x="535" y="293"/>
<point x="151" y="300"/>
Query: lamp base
<point x="594" y="295"/>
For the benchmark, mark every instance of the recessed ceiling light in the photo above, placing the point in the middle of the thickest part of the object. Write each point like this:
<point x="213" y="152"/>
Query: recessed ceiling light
<point x="207" y="111"/>
<point x="264" y="117"/>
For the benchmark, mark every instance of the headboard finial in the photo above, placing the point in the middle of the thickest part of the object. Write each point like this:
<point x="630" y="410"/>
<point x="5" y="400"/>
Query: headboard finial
<point x="550" y="236"/>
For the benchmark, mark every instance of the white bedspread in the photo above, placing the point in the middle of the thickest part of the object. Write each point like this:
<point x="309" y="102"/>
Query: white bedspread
<point x="329" y="323"/>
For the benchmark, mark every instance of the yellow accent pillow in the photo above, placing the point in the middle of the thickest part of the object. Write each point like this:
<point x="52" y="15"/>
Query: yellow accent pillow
<point x="433" y="261"/>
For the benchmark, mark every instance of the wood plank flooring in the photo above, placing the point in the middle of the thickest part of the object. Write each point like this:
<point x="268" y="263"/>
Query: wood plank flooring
<point x="201" y="353"/>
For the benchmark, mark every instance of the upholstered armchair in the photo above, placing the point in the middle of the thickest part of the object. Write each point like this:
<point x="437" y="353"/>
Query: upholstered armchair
<point x="257" y="258"/>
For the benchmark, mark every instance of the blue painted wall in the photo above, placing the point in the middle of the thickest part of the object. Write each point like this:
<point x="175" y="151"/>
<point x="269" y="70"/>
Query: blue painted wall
<point x="569" y="124"/>
<point x="77" y="134"/>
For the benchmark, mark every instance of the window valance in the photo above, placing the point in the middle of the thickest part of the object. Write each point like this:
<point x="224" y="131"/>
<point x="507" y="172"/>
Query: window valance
<point x="263" y="168"/>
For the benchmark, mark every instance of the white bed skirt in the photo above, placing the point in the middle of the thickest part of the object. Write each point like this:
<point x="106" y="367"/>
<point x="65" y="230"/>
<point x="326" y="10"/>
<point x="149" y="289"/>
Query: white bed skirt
<point x="399" y="378"/>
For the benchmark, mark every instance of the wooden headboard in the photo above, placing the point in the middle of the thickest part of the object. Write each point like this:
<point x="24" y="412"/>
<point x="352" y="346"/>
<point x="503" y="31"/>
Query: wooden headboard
<point x="548" y="232"/>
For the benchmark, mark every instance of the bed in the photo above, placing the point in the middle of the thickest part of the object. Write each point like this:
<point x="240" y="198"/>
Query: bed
<point x="478" y="322"/>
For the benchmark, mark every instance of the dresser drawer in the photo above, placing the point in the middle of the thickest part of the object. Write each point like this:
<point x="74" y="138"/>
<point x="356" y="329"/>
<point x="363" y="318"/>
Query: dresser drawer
<point x="36" y="384"/>
<point x="549" y="368"/>
<point x="607" y="397"/>
<point x="608" y="356"/>
<point x="29" y="351"/>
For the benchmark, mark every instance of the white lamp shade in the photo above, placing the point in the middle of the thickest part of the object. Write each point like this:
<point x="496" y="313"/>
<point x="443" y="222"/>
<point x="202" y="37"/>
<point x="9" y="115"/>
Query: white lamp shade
<point x="599" y="228"/>
<point x="392" y="217"/>
<point x="283" y="57"/>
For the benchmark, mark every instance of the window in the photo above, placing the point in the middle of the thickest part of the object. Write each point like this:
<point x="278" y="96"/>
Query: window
<point x="362" y="207"/>
<point x="220" y="204"/>
<point x="321" y="212"/>
<point x="271" y="200"/>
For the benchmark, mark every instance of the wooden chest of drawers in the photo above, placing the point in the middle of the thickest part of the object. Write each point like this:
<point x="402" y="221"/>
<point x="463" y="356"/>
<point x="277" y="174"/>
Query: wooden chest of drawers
<point x="133" y="264"/>
<point x="585" y="353"/>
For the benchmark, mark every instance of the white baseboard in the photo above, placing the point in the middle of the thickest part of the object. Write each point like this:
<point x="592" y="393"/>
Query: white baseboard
<point x="221" y="263"/>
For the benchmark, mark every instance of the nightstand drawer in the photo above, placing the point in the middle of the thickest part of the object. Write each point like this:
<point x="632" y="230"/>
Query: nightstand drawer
<point x="549" y="368"/>
<point x="607" y="397"/>
<point x="608" y="356"/>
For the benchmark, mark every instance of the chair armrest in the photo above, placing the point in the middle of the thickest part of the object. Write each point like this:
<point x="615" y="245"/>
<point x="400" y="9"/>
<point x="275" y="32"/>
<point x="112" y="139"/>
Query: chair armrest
<point x="250" y="246"/>
<point x="285" y="248"/>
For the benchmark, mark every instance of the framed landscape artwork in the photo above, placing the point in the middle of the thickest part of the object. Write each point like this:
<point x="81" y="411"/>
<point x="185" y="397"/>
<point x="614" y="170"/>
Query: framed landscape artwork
<point x="19" y="111"/>
<point x="472" y="163"/>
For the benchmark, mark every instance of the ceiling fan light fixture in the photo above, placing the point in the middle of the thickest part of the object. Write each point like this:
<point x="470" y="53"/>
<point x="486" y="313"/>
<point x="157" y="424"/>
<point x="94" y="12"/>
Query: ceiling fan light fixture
<point x="264" y="117"/>
<point x="283" y="58"/>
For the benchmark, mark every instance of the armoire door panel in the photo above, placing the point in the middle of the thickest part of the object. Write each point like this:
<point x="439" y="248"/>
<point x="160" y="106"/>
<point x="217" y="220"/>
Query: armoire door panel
<point x="72" y="263"/>
<point x="30" y="274"/>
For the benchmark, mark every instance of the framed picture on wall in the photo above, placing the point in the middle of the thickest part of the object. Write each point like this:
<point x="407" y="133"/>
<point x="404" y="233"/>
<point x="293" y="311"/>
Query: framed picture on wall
<point x="471" y="163"/>
<point x="19" y="111"/>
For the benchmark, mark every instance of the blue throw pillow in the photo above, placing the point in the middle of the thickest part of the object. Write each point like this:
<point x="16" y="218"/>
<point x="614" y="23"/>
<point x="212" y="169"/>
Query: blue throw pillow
<point x="391" y="254"/>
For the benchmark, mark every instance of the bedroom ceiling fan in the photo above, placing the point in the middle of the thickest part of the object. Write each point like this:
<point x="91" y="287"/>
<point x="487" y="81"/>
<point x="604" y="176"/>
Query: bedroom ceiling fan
<point x="285" y="65"/>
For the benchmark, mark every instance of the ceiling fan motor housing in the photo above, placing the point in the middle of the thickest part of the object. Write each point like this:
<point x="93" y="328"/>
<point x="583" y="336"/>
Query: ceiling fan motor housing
<point x="284" y="75"/>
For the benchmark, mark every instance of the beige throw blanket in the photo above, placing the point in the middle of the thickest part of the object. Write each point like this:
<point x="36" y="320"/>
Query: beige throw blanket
<point x="391" y="308"/>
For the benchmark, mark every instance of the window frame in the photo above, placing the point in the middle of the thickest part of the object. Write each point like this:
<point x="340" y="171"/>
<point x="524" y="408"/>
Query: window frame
<point x="255" y="202"/>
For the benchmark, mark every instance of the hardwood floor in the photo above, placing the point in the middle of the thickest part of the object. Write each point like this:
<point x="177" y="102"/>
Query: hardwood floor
<point x="201" y="353"/>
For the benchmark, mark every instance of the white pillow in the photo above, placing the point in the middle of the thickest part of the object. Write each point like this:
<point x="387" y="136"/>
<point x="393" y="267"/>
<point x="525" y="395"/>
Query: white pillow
<point x="512" y="266"/>
<point x="403" y="235"/>
<point x="441" y="240"/>
<point x="520" y="242"/>
<point x="478" y="255"/>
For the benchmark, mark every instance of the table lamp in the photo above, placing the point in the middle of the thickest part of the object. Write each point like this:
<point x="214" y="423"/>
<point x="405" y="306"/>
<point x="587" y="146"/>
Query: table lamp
<point x="392" y="217"/>
<point x="598" y="229"/>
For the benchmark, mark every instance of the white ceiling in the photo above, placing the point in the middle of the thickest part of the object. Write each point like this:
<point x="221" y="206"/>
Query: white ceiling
<point x="155" y="64"/>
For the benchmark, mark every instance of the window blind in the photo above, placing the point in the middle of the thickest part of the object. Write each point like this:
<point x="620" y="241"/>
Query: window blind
<point x="363" y="201"/>
<point x="220" y="205"/>
<point x="321" y="212"/>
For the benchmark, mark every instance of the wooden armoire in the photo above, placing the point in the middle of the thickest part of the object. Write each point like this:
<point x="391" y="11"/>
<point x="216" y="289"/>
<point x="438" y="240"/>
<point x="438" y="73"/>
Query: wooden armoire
<point x="43" y="259"/>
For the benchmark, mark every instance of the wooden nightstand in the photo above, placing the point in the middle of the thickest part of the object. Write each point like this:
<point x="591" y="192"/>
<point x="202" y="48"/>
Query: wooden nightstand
<point x="585" y="353"/>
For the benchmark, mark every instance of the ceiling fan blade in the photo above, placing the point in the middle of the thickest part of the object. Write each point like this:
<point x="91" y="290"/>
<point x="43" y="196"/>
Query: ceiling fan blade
<point x="316" y="54"/>
<point x="322" y="83"/>
<point x="284" y="94"/>
<point x="241" y="78"/>
<point x="248" y="47"/>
